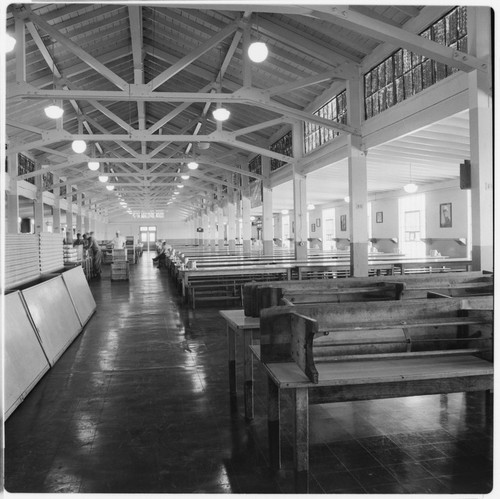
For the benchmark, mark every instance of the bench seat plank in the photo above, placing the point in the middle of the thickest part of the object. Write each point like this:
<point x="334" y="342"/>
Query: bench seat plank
<point x="365" y="372"/>
<point x="414" y="323"/>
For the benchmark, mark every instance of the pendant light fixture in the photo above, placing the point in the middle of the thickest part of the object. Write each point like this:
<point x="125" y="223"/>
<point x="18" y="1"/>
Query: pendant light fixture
<point x="79" y="146"/>
<point x="193" y="165"/>
<point x="410" y="188"/>
<point x="110" y="187"/>
<point x="220" y="113"/>
<point x="53" y="111"/>
<point x="103" y="177"/>
<point x="93" y="165"/>
<point x="184" y="177"/>
<point x="257" y="51"/>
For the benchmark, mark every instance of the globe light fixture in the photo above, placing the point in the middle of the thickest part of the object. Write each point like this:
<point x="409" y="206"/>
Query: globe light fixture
<point x="284" y="212"/>
<point x="54" y="112"/>
<point x="221" y="113"/>
<point x="78" y="146"/>
<point x="257" y="51"/>
<point x="180" y="186"/>
<point x="176" y="192"/>
<point x="103" y="178"/>
<point x="93" y="165"/>
<point x="347" y="199"/>
<point x="192" y="165"/>
<point x="411" y="188"/>
<point x="9" y="43"/>
<point x="184" y="177"/>
<point x="310" y="207"/>
<point x="110" y="187"/>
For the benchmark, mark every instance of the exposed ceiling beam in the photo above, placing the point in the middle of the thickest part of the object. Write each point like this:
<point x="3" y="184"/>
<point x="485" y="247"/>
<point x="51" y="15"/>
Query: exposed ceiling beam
<point x="343" y="16"/>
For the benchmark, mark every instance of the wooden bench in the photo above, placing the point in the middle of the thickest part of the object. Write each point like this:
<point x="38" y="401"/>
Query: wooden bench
<point x="257" y="296"/>
<point x="362" y="351"/>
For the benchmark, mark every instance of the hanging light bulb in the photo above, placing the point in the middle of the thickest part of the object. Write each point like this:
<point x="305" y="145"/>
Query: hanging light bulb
<point x="79" y="146"/>
<point x="103" y="178"/>
<point x="410" y="188"/>
<point x="310" y="207"/>
<point x="110" y="187"/>
<point x="92" y="164"/>
<point x="192" y="165"/>
<point x="184" y="177"/>
<point x="176" y="192"/>
<point x="9" y="42"/>
<point x="257" y="51"/>
<point x="180" y="186"/>
<point x="53" y="111"/>
<point x="221" y="113"/>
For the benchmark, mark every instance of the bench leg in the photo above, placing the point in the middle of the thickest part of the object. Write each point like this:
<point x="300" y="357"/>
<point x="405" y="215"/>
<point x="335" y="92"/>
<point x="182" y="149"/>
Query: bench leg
<point x="248" y="369"/>
<point x="231" y="356"/>
<point x="301" y="436"/>
<point x="273" y="424"/>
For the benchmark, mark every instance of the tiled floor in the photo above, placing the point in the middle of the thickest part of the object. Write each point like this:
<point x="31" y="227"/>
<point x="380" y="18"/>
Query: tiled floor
<point x="140" y="403"/>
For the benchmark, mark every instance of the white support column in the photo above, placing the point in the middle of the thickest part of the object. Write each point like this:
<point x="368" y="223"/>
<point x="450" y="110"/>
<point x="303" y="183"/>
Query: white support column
<point x="38" y="205"/>
<point x="88" y="216"/>
<point x="204" y="225"/>
<point x="238" y="230"/>
<point x="231" y="217"/>
<point x="220" y="225"/>
<point x="267" y="207"/>
<point x="481" y="139"/>
<point x="56" y="211"/>
<point x="12" y="197"/>
<point x="69" y="214"/>
<point x="79" y="213"/>
<point x="299" y="196"/>
<point x="213" y="222"/>
<point x="246" y="208"/>
<point x="358" y="190"/>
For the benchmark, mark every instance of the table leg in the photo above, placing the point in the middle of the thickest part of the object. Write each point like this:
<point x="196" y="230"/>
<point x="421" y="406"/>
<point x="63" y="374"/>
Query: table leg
<point x="248" y="370"/>
<point x="273" y="424"/>
<point x="301" y="437"/>
<point x="231" y="355"/>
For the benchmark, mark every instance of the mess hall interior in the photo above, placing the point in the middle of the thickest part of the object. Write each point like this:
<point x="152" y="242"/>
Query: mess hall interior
<point x="247" y="248"/>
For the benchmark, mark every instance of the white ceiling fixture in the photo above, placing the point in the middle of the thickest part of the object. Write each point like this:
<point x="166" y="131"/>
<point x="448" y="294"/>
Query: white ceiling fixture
<point x="410" y="188"/>
<point x="53" y="111"/>
<point x="257" y="51"/>
<point x="110" y="187"/>
<point x="193" y="165"/>
<point x="79" y="146"/>
<point x="184" y="177"/>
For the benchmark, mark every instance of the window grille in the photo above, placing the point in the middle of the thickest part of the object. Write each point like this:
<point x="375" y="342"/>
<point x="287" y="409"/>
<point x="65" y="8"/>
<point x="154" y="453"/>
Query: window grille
<point x="282" y="146"/>
<point x="404" y="74"/>
<point x="316" y="135"/>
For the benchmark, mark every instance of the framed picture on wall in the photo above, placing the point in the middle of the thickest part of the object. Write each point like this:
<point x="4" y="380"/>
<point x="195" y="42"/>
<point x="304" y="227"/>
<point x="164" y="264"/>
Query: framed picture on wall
<point x="379" y="217"/>
<point x="313" y="227"/>
<point x="445" y="218"/>
<point x="318" y="222"/>
<point x="343" y="222"/>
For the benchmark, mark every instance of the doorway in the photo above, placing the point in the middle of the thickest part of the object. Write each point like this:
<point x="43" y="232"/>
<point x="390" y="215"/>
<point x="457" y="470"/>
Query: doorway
<point x="148" y="237"/>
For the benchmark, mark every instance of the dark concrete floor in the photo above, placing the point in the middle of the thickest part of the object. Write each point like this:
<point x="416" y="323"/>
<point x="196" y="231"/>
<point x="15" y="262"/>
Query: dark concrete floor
<point x="140" y="403"/>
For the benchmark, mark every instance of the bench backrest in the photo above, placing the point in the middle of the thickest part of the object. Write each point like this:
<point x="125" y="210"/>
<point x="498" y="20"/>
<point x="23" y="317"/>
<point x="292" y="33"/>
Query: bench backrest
<point x="351" y="330"/>
<point x="257" y="296"/>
